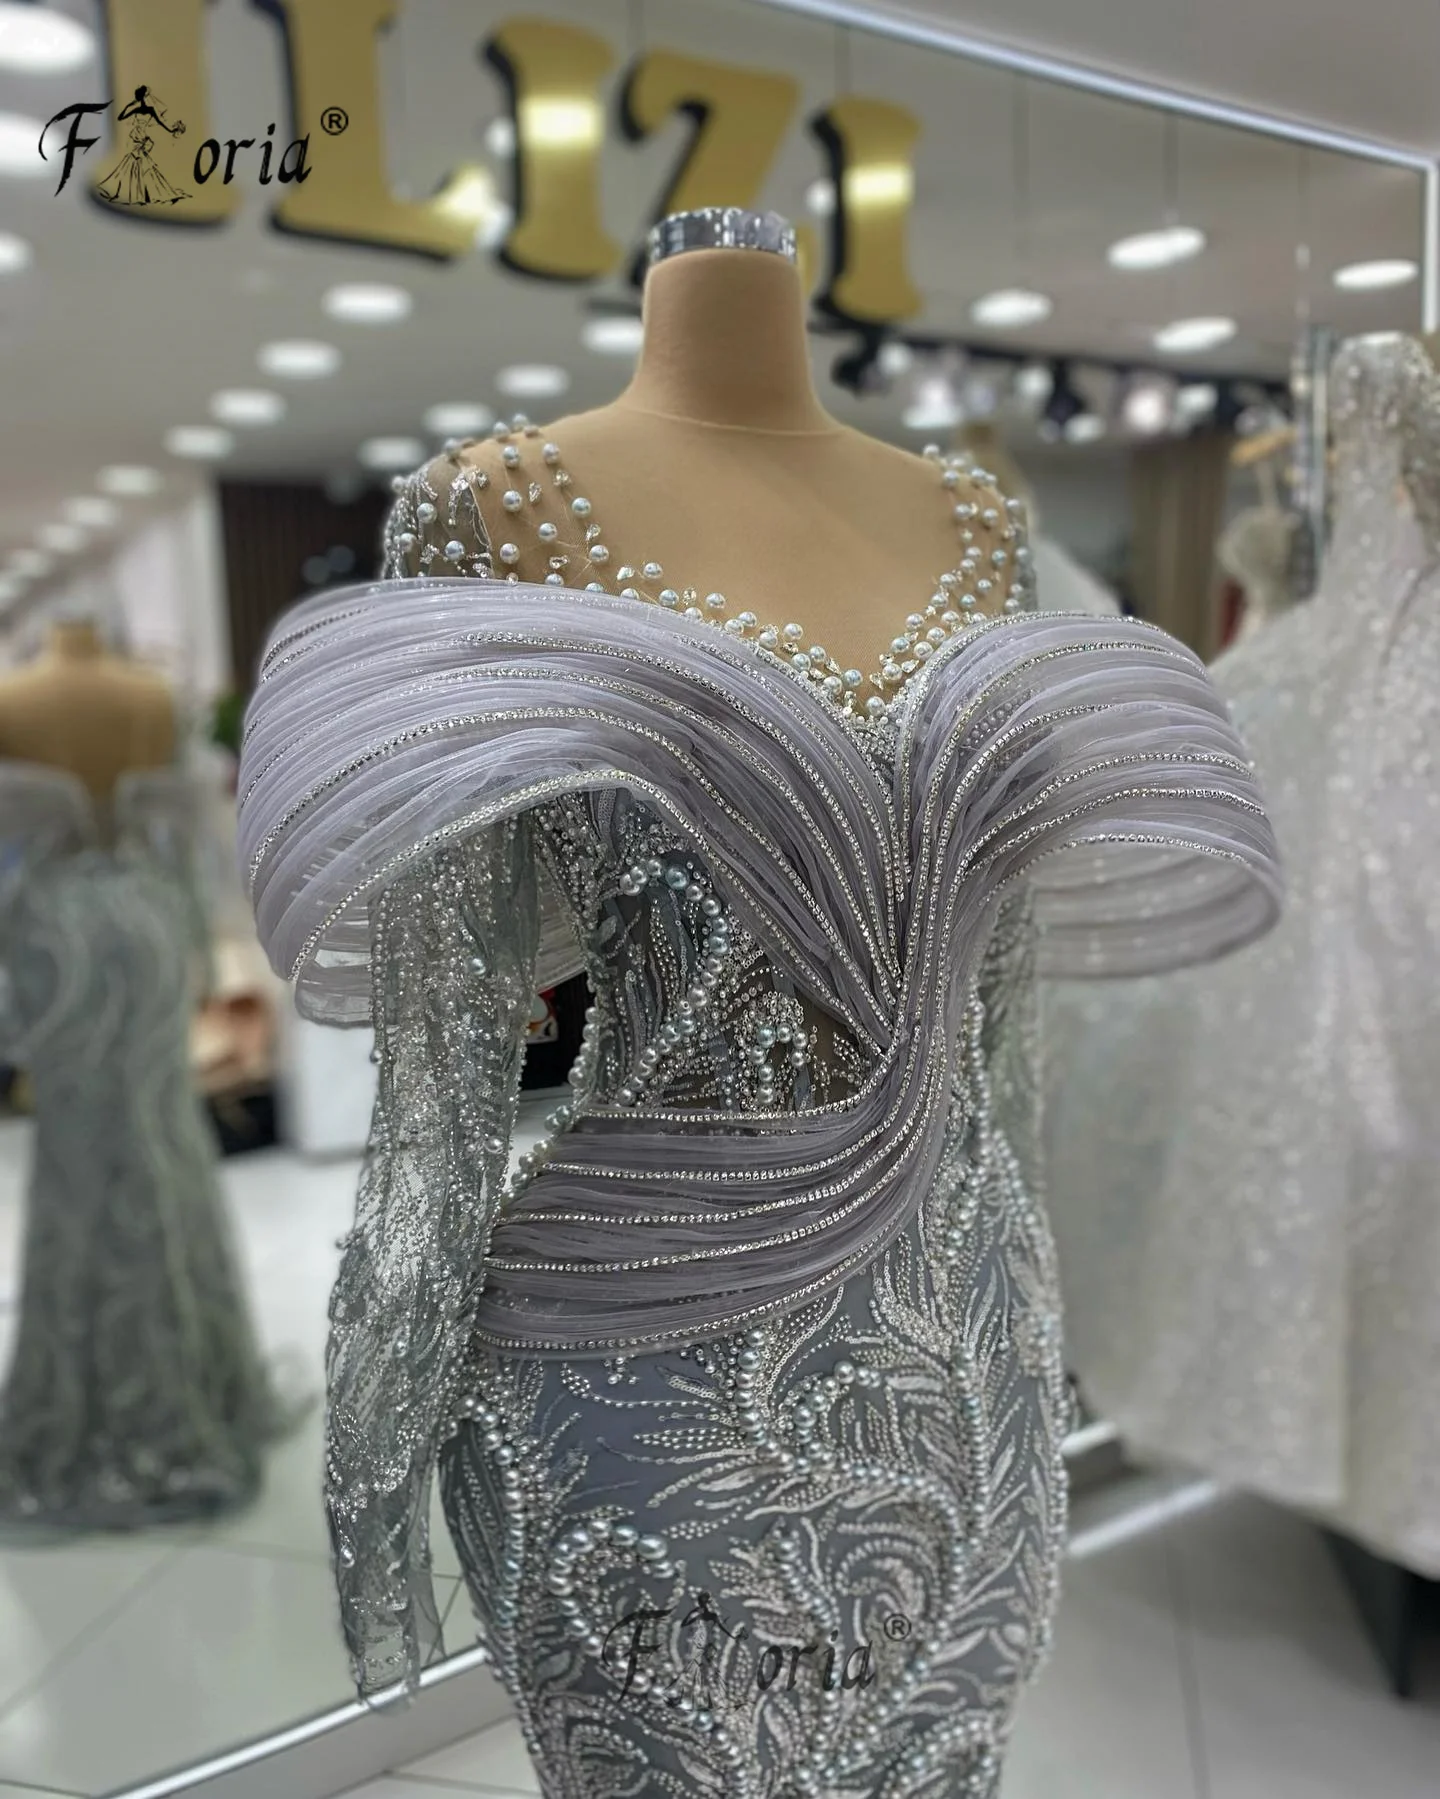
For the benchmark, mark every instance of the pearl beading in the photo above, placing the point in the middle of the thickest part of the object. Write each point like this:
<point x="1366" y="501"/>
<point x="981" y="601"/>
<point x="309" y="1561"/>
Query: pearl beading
<point x="959" y="600"/>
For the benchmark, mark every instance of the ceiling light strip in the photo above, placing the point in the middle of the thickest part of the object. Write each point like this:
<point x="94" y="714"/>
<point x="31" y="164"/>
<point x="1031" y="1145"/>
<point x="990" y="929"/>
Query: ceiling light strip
<point x="906" y="28"/>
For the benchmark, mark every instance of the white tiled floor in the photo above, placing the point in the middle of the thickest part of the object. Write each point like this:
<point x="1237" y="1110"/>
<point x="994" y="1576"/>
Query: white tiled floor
<point x="123" y="1658"/>
<point x="1213" y="1656"/>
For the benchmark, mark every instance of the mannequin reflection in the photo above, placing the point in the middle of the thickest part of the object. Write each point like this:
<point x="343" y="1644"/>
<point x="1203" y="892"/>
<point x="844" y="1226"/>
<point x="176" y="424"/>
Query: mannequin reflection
<point x="723" y="407"/>
<point x="135" y="1393"/>
<point x="85" y="710"/>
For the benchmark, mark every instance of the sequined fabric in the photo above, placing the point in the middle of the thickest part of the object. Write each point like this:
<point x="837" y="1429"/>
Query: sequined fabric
<point x="135" y="1394"/>
<point x="1244" y="1159"/>
<point x="767" y="1331"/>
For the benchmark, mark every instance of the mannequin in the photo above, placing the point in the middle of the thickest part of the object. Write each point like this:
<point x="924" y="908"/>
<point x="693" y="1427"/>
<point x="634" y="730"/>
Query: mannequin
<point x="797" y="503"/>
<point x="136" y="1393"/>
<point x="85" y="710"/>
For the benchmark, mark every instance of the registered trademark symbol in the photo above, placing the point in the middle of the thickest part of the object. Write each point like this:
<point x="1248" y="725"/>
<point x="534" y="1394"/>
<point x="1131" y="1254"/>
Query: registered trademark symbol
<point x="334" y="119"/>
<point x="897" y="1628"/>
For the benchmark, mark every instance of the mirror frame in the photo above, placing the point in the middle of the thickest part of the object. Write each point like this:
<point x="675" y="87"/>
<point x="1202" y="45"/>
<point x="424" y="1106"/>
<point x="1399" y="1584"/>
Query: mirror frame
<point x="458" y="1695"/>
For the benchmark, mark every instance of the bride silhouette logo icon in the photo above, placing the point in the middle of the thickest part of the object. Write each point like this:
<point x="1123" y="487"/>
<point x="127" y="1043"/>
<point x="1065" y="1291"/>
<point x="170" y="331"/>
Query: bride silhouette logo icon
<point x="137" y="179"/>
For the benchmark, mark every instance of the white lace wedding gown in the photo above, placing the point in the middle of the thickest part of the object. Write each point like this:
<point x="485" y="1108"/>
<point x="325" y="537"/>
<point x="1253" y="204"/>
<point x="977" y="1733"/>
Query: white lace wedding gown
<point x="1244" y="1161"/>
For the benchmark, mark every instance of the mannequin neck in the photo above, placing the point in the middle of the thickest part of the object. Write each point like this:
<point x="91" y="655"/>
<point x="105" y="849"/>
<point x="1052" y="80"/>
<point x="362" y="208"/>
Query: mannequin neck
<point x="725" y="344"/>
<point x="77" y="640"/>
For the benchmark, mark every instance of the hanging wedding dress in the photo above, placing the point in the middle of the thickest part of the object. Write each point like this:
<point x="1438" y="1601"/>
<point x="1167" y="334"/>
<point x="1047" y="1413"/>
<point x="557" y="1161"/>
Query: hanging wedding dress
<point x="135" y="1393"/>
<point x="1244" y="1162"/>
<point x="755" y="1366"/>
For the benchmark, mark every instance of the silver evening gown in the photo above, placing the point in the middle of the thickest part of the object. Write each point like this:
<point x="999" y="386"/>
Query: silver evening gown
<point x="135" y="1394"/>
<point x="1250" y="1252"/>
<point x="746" y="1392"/>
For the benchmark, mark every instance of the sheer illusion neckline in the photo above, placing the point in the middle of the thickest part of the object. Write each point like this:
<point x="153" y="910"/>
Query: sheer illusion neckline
<point x="956" y="603"/>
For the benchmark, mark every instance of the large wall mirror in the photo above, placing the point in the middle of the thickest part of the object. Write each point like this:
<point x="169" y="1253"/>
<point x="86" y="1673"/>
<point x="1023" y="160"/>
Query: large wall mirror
<point x="211" y="370"/>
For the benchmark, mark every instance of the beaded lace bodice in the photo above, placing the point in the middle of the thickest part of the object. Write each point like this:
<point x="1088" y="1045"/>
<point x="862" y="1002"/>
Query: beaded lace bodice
<point x="783" y="880"/>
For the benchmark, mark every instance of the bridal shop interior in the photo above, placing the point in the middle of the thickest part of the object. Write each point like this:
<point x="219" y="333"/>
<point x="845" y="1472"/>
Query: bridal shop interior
<point x="261" y="262"/>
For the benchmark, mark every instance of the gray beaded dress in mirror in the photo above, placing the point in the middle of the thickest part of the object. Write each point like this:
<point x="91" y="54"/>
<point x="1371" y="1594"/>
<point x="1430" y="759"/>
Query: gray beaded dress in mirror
<point x="135" y="1393"/>
<point x="746" y="1392"/>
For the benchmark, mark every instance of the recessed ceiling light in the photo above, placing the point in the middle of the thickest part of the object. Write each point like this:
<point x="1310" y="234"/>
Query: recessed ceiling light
<point x="390" y="453"/>
<point x="20" y="145"/>
<point x="1196" y="399"/>
<point x="298" y="359"/>
<point x="91" y="511"/>
<point x="368" y="303"/>
<point x="63" y="539"/>
<point x="619" y="335"/>
<point x="459" y="418"/>
<point x="1011" y="307"/>
<point x="201" y="443"/>
<point x="246" y="406"/>
<point x="895" y="359"/>
<point x="1034" y="382"/>
<point x="532" y="381"/>
<point x="36" y="41"/>
<point x="820" y="197"/>
<point x="15" y="254"/>
<point x="1085" y="428"/>
<point x="500" y="138"/>
<point x="129" y="480"/>
<point x="1156" y="249"/>
<point x="1364" y="277"/>
<point x="29" y="563"/>
<point x="1186" y="336"/>
<point x="1148" y="406"/>
<point x="935" y="406"/>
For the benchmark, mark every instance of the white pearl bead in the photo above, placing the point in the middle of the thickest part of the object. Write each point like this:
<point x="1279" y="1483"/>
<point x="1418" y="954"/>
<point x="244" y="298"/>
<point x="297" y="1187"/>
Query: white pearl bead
<point x="509" y="552"/>
<point x="512" y="501"/>
<point x="768" y="638"/>
<point x="599" y="553"/>
<point x="551" y="453"/>
<point x="715" y="601"/>
<point x="748" y="620"/>
<point x="801" y="661"/>
<point x="510" y="456"/>
<point x="792" y="633"/>
<point x="581" y="507"/>
<point x="899" y="645"/>
<point x="652" y="571"/>
<point x="852" y="677"/>
<point x="548" y="532"/>
<point x="875" y="706"/>
<point x="454" y="550"/>
<point x="669" y="597"/>
<point x="892" y="671"/>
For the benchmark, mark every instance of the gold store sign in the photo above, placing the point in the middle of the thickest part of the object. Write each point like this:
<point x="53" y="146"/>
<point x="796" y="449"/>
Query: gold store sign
<point x="556" y="75"/>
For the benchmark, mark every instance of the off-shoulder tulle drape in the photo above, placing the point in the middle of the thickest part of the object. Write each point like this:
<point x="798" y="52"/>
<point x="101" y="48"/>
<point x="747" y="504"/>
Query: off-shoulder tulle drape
<point x="395" y="720"/>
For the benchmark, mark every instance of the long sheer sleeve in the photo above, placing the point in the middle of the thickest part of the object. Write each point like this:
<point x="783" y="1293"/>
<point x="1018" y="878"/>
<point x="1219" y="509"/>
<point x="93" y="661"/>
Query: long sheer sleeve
<point x="454" y="943"/>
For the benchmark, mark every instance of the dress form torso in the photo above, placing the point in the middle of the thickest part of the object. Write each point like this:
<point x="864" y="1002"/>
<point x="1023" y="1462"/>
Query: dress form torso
<point x="719" y="464"/>
<point x="87" y="712"/>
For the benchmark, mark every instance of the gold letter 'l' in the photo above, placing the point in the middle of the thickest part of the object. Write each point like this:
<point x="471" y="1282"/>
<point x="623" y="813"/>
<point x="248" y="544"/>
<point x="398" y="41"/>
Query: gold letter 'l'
<point x="160" y="45"/>
<point x="333" y="82"/>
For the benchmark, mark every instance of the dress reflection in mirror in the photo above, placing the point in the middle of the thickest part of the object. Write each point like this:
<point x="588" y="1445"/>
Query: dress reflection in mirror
<point x="1244" y="1168"/>
<point x="751" y="719"/>
<point x="135" y="1394"/>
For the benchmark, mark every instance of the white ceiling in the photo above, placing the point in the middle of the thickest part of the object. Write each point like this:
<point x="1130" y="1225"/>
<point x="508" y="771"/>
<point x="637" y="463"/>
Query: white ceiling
<point x="1369" y="70"/>
<point x="120" y="331"/>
